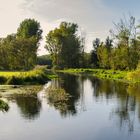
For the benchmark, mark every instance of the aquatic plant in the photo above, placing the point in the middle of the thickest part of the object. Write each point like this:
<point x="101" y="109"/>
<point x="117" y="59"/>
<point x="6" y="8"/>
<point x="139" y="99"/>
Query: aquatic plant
<point x="3" y="106"/>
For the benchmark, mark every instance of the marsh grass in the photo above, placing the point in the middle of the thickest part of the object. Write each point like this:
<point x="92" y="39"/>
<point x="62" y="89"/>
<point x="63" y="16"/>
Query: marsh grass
<point x="36" y="76"/>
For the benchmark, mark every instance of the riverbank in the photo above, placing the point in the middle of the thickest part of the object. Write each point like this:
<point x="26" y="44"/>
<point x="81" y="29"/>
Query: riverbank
<point x="126" y="76"/>
<point x="36" y="76"/>
<point x="40" y="75"/>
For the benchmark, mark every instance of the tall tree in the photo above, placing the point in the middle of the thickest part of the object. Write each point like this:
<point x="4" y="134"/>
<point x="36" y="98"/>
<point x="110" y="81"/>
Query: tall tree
<point x="29" y="28"/>
<point x="19" y="51"/>
<point x="65" y="45"/>
<point x="125" y="34"/>
<point x="94" y="56"/>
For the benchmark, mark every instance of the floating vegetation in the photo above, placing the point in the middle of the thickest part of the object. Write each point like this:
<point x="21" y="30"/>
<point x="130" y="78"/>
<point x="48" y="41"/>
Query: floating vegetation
<point x="10" y="92"/>
<point x="58" y="98"/>
<point x="57" y="95"/>
<point x="3" y="106"/>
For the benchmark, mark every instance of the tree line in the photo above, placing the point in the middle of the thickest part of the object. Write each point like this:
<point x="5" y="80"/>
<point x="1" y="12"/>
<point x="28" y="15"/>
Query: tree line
<point x="66" y="47"/>
<point x="120" y="51"/>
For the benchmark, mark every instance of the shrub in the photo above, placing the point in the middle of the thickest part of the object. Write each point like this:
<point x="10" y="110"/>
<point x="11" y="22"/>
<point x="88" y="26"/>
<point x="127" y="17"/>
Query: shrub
<point x="4" y="106"/>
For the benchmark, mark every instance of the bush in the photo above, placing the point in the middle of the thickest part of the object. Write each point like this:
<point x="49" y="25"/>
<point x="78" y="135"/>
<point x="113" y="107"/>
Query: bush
<point x="4" y="106"/>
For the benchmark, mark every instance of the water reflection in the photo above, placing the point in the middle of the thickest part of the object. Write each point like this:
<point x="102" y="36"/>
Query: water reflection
<point x="125" y="97"/>
<point x="74" y="96"/>
<point x="63" y="94"/>
<point x="29" y="106"/>
<point x="26" y="100"/>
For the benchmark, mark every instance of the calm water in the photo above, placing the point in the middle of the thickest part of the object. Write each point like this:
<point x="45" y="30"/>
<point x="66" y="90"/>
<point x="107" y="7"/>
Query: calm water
<point x="93" y="110"/>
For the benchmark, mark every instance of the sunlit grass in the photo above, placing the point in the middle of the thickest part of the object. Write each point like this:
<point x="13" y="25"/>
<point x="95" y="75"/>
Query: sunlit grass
<point x="134" y="76"/>
<point x="21" y="74"/>
<point x="101" y="73"/>
<point x="36" y="76"/>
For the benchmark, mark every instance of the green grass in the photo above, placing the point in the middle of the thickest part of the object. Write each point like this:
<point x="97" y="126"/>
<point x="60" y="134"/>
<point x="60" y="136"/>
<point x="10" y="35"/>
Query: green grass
<point x="126" y="76"/>
<point x="101" y="73"/>
<point x="133" y="76"/>
<point x="37" y="76"/>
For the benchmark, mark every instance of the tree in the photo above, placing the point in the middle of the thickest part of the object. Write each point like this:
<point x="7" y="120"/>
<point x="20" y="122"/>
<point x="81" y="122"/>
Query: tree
<point x="94" y="57"/>
<point x="64" y="45"/>
<point x="127" y="47"/>
<point x="44" y="60"/>
<point x="53" y="45"/>
<point x="29" y="33"/>
<point x="29" y="28"/>
<point x="19" y="51"/>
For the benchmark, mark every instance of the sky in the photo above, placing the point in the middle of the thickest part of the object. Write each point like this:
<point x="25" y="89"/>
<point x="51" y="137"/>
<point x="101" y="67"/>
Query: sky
<point x="94" y="17"/>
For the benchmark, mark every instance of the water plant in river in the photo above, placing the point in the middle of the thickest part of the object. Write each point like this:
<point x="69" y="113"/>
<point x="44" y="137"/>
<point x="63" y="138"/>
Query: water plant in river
<point x="58" y="98"/>
<point x="3" y="106"/>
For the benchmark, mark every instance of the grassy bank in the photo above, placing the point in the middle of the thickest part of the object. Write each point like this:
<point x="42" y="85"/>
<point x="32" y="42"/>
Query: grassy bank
<point x="36" y="76"/>
<point x="134" y="76"/>
<point x="126" y="76"/>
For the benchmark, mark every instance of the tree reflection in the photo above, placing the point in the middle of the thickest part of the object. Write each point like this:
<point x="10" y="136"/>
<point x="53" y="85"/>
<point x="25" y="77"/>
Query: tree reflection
<point x="26" y="100"/>
<point x="29" y="106"/>
<point x="102" y="88"/>
<point x="125" y="94"/>
<point x="63" y="94"/>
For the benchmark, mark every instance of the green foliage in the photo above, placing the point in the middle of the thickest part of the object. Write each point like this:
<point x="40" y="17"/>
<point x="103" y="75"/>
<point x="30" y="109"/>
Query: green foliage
<point x="29" y="28"/>
<point x="123" y="54"/>
<point x="17" y="53"/>
<point x="64" y="45"/>
<point x="3" y="106"/>
<point x="44" y="60"/>
<point x="103" y="56"/>
<point x="133" y="76"/>
<point x="85" y="60"/>
<point x="101" y="53"/>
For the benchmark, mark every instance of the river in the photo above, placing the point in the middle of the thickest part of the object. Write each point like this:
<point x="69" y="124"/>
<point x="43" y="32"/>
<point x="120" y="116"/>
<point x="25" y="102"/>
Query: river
<point x="88" y="108"/>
